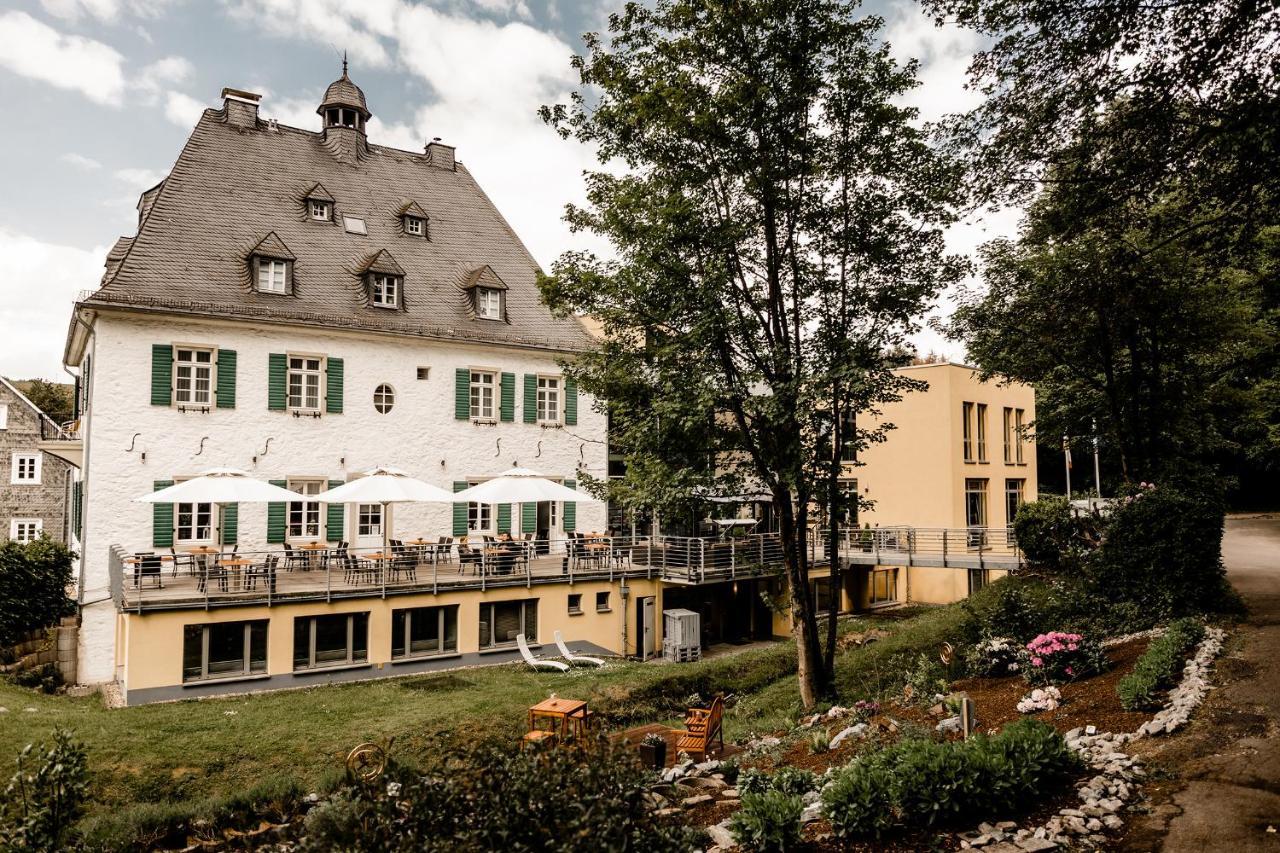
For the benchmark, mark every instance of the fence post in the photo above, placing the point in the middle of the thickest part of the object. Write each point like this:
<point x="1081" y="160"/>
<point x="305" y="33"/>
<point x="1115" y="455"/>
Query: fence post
<point x="328" y="582"/>
<point x="435" y="575"/>
<point x="702" y="560"/>
<point x="733" y="558"/>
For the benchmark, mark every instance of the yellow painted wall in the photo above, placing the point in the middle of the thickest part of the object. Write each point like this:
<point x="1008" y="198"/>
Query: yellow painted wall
<point x="152" y="642"/>
<point x="916" y="476"/>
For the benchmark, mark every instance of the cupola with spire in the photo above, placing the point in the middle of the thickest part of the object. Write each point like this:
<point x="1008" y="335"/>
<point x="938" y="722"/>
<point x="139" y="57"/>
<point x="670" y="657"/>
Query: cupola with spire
<point x="344" y="104"/>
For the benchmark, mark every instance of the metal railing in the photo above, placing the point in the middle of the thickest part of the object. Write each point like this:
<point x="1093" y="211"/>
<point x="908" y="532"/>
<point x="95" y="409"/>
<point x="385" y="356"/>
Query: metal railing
<point x="959" y="547"/>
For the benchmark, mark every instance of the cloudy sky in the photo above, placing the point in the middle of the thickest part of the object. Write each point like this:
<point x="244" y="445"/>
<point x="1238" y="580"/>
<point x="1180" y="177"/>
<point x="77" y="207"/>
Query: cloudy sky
<point x="101" y="94"/>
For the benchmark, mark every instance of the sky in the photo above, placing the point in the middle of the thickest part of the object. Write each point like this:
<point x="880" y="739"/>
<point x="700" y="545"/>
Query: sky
<point x="102" y="94"/>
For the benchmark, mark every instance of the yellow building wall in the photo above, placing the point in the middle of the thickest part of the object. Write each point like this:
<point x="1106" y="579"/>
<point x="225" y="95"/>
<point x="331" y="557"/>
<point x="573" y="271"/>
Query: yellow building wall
<point x="151" y="643"/>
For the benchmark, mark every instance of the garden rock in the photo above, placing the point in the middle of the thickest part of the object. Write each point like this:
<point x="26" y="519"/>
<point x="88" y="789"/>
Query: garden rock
<point x="856" y="730"/>
<point x="696" y="800"/>
<point x="1035" y="844"/>
<point x="949" y="725"/>
<point x="811" y="812"/>
<point x="721" y="836"/>
<point x="708" y="782"/>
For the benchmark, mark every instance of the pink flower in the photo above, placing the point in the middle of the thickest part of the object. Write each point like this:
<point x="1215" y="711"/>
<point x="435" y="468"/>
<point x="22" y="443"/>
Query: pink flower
<point x="1072" y="646"/>
<point x="1070" y="671"/>
<point x="1037" y="662"/>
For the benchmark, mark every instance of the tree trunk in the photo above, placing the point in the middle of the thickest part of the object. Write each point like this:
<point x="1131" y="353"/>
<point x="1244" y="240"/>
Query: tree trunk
<point x="804" y="624"/>
<point x="833" y="537"/>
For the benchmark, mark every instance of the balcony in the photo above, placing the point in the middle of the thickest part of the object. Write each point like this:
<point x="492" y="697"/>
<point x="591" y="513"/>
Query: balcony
<point x="953" y="547"/>
<point x="62" y="442"/>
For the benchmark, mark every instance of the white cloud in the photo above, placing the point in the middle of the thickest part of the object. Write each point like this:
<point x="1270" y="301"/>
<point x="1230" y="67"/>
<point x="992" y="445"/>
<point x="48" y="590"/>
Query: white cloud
<point x="182" y="110"/>
<point x="31" y="327"/>
<point x="139" y="179"/>
<point x="164" y="74"/>
<point x="103" y="10"/>
<point x="944" y="53"/>
<point x="80" y="161"/>
<point x="358" y="28"/>
<point x="38" y="51"/>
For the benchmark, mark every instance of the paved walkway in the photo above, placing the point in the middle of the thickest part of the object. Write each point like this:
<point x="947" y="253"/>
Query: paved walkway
<point x="1227" y="792"/>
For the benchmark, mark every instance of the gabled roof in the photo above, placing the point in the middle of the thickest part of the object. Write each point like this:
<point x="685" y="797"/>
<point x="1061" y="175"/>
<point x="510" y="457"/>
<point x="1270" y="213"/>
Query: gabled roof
<point x="318" y="193"/>
<point x="231" y="186"/>
<point x="381" y="261"/>
<point x="484" y="277"/>
<point x="272" y="246"/>
<point x="412" y="208"/>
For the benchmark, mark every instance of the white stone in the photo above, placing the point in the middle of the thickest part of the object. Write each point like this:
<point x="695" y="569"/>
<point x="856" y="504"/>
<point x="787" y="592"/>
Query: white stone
<point x="856" y="730"/>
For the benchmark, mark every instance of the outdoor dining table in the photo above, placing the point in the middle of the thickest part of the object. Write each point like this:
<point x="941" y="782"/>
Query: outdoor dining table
<point x="235" y="574"/>
<point x="565" y="716"/>
<point x="423" y="548"/>
<point x="202" y="553"/>
<point x="314" y="550"/>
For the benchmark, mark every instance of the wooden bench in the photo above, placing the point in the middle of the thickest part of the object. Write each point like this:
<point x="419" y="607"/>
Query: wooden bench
<point x="702" y="726"/>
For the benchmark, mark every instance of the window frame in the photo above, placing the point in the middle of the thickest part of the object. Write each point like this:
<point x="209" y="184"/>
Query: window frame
<point x="194" y="524"/>
<point x="380" y="284"/>
<point x="17" y="466"/>
<point x="487" y="297"/>
<point x="603" y="605"/>
<point x="213" y="376"/>
<point x="388" y="395"/>
<point x="319" y="211"/>
<point x="976" y="532"/>
<point x="352" y="629"/>
<point x="966" y="430"/>
<point x="304" y="372"/>
<point x="488" y="611"/>
<point x="890" y="576"/>
<point x="1008" y="435"/>
<point x="1013" y="486"/>
<point x="1018" y="427"/>
<point x="475" y="409"/>
<point x="365" y="523"/>
<point x="247" y="669"/>
<point x="575" y="604"/>
<point x="410" y="222"/>
<point x="16" y="523"/>
<point x="480" y="518"/>
<point x="293" y="484"/>
<point x="4" y="415"/>
<point x="555" y="391"/>
<point x="980" y="414"/>
<point x="264" y="261"/>
<point x="444" y="613"/>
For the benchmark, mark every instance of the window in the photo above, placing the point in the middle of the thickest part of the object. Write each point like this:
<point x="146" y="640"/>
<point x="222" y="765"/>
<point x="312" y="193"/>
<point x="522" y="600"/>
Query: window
<point x="193" y="376"/>
<point x="25" y="529"/>
<point x="1013" y="491"/>
<point x="304" y="515"/>
<point x="848" y="437"/>
<point x="4" y="415"/>
<point x="272" y="276"/>
<point x="482" y="395"/>
<point x="320" y="211"/>
<point x="966" y="413"/>
<point x="978" y="578"/>
<point x="502" y="621"/>
<point x="1018" y="429"/>
<point x="548" y="400"/>
<point x="488" y="303"/>
<point x="386" y="291"/>
<point x="354" y="225"/>
<point x="424" y="631"/>
<point x="330" y="640"/>
<point x="224" y="650"/>
<point x="982" y="432"/>
<point x="415" y="226"/>
<point x="384" y="398"/>
<point x="602" y="601"/>
<point x="304" y="383"/>
<point x="1008" y="435"/>
<point x="575" y="603"/>
<point x="479" y="517"/>
<point x="369" y="520"/>
<point x="848" y="487"/>
<point x="194" y="522"/>
<point x="975" y="511"/>
<point x="883" y="586"/>
<point x="424" y="373"/>
<point x="26" y="469"/>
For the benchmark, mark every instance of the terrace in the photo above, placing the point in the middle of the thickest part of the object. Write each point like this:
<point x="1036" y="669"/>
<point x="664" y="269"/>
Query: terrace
<point x="204" y="577"/>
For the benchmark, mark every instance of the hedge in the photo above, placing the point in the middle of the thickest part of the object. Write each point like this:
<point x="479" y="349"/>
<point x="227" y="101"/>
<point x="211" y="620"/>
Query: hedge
<point x="1160" y="666"/>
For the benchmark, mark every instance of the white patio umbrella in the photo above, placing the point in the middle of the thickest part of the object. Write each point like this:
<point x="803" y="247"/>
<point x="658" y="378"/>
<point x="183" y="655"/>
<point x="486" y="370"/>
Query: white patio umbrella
<point x="220" y="486"/>
<point x="385" y="485"/>
<point x="519" y="485"/>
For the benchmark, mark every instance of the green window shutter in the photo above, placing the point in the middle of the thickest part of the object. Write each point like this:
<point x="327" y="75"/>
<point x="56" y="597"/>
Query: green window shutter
<point x="504" y="518"/>
<point x="462" y="394"/>
<point x="336" y="515"/>
<point x="508" y="407"/>
<point x="230" y="523"/>
<point x="161" y="519"/>
<point x="530" y="398"/>
<point x="161" y="374"/>
<point x="226" y="379"/>
<point x="77" y="506"/>
<point x="459" y="511"/>
<point x="569" y="517"/>
<point x="528" y="517"/>
<point x="333" y="386"/>
<point x="277" y="385"/>
<point x="276" y="515"/>
<point x="570" y="402"/>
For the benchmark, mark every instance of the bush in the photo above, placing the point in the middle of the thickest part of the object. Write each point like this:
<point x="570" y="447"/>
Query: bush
<point x="994" y="656"/>
<point x="768" y="821"/>
<point x="926" y="679"/>
<point x="820" y="741"/>
<point x="1058" y="657"/>
<point x="785" y="780"/>
<point x="33" y="587"/>
<point x="45" y="795"/>
<point x="47" y="678"/>
<point x="1048" y="534"/>
<point x="859" y="801"/>
<point x="1160" y="666"/>
<point x="487" y="797"/>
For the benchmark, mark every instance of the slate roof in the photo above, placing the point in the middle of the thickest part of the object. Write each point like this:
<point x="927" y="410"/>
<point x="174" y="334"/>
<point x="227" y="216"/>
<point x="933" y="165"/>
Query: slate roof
<point x="343" y="93"/>
<point x="232" y="186"/>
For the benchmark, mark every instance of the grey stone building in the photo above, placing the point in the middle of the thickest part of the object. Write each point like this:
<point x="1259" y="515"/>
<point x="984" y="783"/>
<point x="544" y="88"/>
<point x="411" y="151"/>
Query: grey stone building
<point x="35" y="487"/>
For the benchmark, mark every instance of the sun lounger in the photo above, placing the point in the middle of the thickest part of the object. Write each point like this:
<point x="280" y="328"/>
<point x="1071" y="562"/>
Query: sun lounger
<point x="533" y="661"/>
<point x="571" y="657"/>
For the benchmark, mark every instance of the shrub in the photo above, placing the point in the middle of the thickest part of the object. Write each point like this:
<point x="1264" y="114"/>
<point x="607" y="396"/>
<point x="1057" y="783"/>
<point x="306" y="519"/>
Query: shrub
<point x="753" y="781"/>
<point x="820" y="741"/>
<point x="487" y="797"/>
<point x="1048" y="534"/>
<point x="793" y="780"/>
<point x="768" y="821"/>
<point x="925" y="679"/>
<point x="47" y="678"/>
<point x="33" y="587"/>
<point x="1160" y="665"/>
<point x="994" y="656"/>
<point x="1058" y="657"/>
<point x="44" y="796"/>
<point x="859" y="801"/>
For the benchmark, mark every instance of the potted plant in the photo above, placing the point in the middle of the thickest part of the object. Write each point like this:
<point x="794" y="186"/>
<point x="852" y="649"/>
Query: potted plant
<point x="653" y="751"/>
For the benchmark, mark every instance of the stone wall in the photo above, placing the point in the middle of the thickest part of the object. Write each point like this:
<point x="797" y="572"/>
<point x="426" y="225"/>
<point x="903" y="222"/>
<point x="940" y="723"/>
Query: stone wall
<point x="56" y="645"/>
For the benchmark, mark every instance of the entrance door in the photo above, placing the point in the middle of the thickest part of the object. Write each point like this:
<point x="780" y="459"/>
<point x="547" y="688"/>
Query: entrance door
<point x="546" y="524"/>
<point x="369" y="523"/>
<point x="645" y="627"/>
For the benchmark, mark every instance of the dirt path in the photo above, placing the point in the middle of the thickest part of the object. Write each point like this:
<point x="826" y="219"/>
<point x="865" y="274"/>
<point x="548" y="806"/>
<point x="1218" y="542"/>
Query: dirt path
<point x="1226" y="791"/>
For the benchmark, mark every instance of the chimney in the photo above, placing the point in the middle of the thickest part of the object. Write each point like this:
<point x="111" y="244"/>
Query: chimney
<point x="440" y="155"/>
<point x="240" y="107"/>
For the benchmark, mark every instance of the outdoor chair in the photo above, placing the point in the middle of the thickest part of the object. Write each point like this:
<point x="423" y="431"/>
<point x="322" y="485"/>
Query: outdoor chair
<point x="470" y="556"/>
<point x="701" y="727"/>
<point x="533" y="661"/>
<point x="444" y="551"/>
<point x="403" y="562"/>
<point x="148" y="565"/>
<point x="211" y="572"/>
<point x="293" y="559"/>
<point x="572" y="658"/>
<point x="265" y="570"/>
<point x="183" y="560"/>
<point x="354" y="569"/>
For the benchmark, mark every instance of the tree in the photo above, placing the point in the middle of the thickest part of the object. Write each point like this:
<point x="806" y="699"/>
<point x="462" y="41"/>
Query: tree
<point x="776" y="218"/>
<point x="52" y="398"/>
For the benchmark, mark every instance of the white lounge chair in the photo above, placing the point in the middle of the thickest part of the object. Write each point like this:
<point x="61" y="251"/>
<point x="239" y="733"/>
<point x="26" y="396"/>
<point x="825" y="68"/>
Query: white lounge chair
<point x="533" y="661"/>
<point x="571" y="657"/>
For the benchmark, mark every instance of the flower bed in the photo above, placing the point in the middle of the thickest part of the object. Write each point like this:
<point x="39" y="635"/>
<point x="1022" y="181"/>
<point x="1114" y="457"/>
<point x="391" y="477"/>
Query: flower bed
<point x="1058" y="657"/>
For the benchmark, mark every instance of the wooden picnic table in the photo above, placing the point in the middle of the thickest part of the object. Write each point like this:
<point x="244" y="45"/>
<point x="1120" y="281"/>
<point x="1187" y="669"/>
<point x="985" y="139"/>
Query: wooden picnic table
<point x="564" y="715"/>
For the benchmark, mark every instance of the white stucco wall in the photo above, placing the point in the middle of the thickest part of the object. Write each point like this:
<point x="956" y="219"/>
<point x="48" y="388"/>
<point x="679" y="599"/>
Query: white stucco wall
<point x="420" y="435"/>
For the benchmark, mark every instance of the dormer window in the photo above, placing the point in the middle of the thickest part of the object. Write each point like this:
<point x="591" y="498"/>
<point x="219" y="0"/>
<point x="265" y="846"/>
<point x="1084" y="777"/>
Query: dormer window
<point x="386" y="291"/>
<point x="273" y="275"/>
<point x="488" y="303"/>
<point x="413" y="219"/>
<point x="415" y="226"/>
<point x="320" y="211"/>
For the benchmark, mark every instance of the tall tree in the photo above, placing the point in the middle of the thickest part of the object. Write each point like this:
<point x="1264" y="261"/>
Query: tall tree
<point x="51" y="398"/>
<point x="776" y="218"/>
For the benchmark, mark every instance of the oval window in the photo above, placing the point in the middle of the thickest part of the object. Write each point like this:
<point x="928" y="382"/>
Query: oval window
<point x="384" y="398"/>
